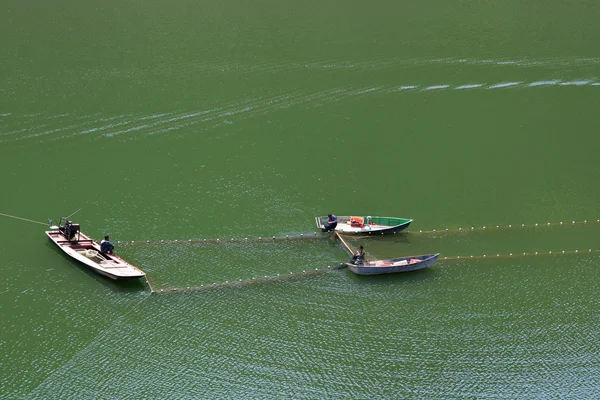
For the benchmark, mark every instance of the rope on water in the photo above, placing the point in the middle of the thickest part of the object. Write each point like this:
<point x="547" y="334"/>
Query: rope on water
<point x="24" y="219"/>
<point x="315" y="272"/>
<point x="149" y="284"/>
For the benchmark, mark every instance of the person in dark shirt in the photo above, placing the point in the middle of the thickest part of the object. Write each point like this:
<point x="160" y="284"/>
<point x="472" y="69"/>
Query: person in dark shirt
<point x="359" y="256"/>
<point x="331" y="223"/>
<point x="106" y="246"/>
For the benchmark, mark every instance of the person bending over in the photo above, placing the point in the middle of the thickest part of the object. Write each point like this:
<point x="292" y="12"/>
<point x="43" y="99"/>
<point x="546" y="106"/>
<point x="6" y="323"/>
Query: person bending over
<point x="106" y="246"/>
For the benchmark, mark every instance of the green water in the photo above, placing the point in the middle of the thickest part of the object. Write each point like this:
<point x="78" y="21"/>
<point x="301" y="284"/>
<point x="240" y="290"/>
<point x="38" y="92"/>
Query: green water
<point x="203" y="120"/>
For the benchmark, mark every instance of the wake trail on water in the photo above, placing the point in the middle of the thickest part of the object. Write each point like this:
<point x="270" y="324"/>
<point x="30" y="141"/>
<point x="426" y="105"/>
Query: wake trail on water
<point x="52" y="127"/>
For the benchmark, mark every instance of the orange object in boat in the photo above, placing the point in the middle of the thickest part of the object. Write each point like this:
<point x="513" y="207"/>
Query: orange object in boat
<point x="358" y="222"/>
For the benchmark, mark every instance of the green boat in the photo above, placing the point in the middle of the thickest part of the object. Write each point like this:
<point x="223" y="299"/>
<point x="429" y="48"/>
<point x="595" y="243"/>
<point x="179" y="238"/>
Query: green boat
<point x="364" y="225"/>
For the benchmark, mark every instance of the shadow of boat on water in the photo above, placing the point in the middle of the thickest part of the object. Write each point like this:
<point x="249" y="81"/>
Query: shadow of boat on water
<point x="116" y="285"/>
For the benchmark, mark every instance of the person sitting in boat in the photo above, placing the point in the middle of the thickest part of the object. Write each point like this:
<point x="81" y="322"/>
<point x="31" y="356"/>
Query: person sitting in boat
<point x="331" y="223"/>
<point x="359" y="256"/>
<point x="106" y="246"/>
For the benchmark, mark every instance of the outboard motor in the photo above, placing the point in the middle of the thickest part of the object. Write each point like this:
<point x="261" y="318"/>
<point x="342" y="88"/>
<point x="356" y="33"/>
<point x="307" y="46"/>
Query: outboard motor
<point x="71" y="230"/>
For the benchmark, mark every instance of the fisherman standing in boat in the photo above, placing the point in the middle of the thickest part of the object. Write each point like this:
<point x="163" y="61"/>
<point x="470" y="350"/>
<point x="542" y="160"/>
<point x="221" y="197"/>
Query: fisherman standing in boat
<point x="106" y="246"/>
<point x="331" y="223"/>
<point x="359" y="256"/>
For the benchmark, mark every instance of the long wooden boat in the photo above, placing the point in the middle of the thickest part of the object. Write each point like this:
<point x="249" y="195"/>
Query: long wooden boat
<point x="76" y="244"/>
<point x="394" y="265"/>
<point x="366" y="225"/>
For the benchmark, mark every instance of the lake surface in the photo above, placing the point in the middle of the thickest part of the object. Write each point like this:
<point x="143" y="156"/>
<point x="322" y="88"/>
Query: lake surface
<point x="171" y="123"/>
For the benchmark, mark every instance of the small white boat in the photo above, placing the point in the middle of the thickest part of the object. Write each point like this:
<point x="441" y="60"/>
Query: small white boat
<point x="71" y="240"/>
<point x="400" y="264"/>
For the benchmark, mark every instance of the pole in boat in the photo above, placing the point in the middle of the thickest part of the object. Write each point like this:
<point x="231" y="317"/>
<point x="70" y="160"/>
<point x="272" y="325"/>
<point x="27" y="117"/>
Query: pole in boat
<point x="345" y="244"/>
<point x="73" y="214"/>
<point x="61" y="219"/>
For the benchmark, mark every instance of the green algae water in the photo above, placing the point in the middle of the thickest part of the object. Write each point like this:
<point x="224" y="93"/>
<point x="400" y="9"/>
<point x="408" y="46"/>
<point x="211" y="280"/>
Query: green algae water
<point x="186" y="121"/>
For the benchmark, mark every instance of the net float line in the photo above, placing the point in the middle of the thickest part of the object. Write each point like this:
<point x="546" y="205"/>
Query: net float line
<point x="309" y="236"/>
<point x="249" y="282"/>
<point x="321" y="235"/>
<point x="514" y="255"/>
<point x="307" y="273"/>
<point x="491" y="228"/>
